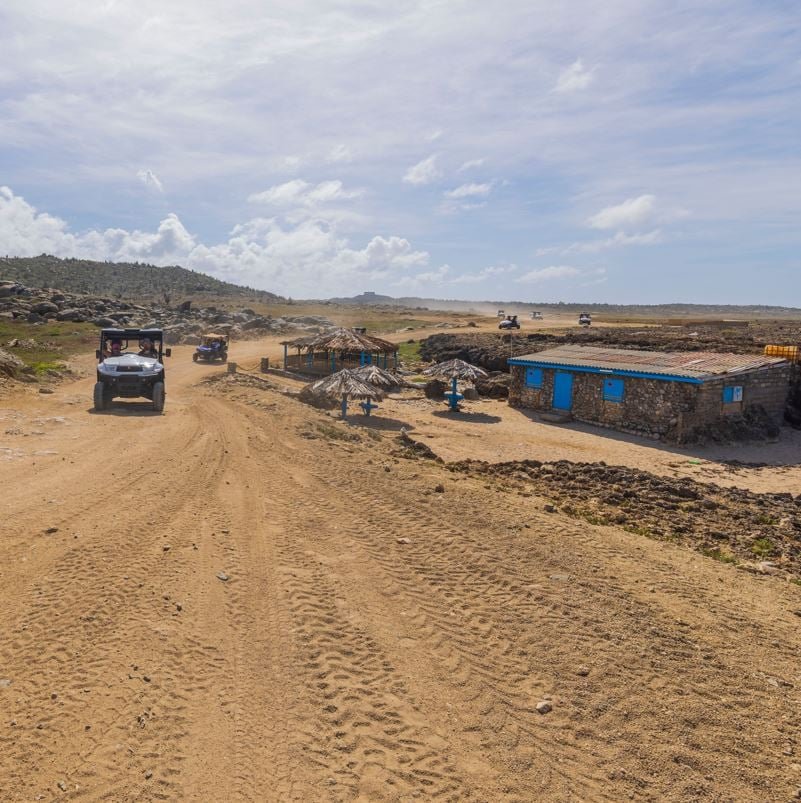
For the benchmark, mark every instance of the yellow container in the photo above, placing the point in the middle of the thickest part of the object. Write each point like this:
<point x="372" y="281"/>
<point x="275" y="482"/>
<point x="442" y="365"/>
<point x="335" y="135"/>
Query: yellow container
<point x="788" y="352"/>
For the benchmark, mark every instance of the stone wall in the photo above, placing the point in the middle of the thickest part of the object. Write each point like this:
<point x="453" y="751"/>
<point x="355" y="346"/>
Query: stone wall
<point x="656" y="408"/>
<point x="767" y="388"/>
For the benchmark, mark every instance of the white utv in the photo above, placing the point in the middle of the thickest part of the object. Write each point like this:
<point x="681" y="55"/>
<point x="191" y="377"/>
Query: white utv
<point x="130" y="365"/>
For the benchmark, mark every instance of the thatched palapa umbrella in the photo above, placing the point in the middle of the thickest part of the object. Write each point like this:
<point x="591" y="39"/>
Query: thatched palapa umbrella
<point x="378" y="377"/>
<point x="455" y="370"/>
<point x="344" y="384"/>
<point x="351" y="340"/>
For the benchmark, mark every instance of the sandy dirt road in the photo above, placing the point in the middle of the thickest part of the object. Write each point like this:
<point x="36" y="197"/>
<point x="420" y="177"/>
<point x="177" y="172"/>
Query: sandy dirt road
<point x="245" y="600"/>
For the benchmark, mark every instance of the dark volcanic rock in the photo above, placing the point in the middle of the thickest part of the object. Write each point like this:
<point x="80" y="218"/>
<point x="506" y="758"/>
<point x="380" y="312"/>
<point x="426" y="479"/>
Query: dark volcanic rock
<point x="730" y="524"/>
<point x="495" y="386"/>
<point x="44" y="307"/>
<point x="75" y="315"/>
<point x="435" y="389"/>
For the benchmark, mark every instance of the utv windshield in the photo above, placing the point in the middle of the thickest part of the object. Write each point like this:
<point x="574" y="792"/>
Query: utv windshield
<point x="141" y="346"/>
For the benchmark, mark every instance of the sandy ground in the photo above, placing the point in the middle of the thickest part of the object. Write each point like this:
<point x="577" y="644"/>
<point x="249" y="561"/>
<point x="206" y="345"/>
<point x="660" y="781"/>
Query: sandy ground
<point x="244" y="599"/>
<point x="490" y="430"/>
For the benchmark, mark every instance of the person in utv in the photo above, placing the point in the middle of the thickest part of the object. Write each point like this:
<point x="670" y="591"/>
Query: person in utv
<point x="114" y="349"/>
<point x="147" y="348"/>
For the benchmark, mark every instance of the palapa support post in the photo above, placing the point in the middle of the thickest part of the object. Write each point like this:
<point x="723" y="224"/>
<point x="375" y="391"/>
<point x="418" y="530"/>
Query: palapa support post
<point x="285" y="348"/>
<point x="367" y="406"/>
<point x="333" y="362"/>
<point x="454" y="397"/>
<point x="344" y="406"/>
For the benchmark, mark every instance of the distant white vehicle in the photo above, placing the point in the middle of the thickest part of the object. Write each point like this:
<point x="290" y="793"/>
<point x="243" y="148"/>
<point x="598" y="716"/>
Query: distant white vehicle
<point x="501" y="313"/>
<point x="509" y="322"/>
<point x="536" y="316"/>
<point x="585" y="319"/>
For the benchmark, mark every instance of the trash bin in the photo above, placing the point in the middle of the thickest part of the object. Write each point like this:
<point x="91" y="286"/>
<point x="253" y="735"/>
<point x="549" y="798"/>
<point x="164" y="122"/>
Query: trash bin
<point x="265" y="364"/>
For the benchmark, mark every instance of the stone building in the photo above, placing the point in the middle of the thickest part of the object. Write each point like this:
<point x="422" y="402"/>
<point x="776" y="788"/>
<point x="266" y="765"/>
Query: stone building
<point x="666" y="395"/>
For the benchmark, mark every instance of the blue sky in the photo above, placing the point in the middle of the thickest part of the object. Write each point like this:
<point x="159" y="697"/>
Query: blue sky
<point x="631" y="152"/>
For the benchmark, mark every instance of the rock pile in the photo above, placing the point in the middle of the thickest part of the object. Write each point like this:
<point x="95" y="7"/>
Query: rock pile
<point x="488" y="351"/>
<point x="11" y="366"/>
<point x="491" y="351"/>
<point x="758" y="530"/>
<point x="495" y="386"/>
<point x="181" y="324"/>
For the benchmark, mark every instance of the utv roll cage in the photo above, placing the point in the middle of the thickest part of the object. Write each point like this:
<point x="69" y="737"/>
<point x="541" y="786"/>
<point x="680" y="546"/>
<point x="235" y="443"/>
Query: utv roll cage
<point x="129" y="341"/>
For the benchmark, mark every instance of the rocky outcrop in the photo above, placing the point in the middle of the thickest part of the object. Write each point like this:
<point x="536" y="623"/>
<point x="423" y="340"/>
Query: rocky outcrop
<point x="11" y="366"/>
<point x="495" y="386"/>
<point x="182" y="323"/>
<point x="435" y="389"/>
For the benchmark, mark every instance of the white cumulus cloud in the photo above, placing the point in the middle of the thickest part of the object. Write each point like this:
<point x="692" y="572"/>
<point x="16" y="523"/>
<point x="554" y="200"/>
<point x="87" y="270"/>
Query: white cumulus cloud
<point x="632" y="212"/>
<point x="301" y="193"/>
<point x="309" y="257"/>
<point x="470" y="191"/>
<point x="619" y="240"/>
<point x="423" y="172"/>
<point x="470" y="164"/>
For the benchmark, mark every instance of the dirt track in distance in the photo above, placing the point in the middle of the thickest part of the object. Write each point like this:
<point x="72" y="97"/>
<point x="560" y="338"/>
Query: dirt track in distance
<point x="375" y="639"/>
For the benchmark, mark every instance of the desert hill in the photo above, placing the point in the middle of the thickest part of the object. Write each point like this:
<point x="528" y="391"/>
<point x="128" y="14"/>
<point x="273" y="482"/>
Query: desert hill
<point x="132" y="281"/>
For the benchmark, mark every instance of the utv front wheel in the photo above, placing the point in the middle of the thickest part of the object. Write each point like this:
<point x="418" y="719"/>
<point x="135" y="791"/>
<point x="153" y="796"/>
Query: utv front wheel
<point x="158" y="397"/>
<point x="100" y="398"/>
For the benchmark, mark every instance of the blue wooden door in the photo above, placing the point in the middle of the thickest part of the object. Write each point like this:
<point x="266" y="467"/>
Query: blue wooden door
<point x="563" y="390"/>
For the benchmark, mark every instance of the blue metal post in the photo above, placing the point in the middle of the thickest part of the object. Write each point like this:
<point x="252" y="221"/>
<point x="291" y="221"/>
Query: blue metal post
<point x="344" y="406"/>
<point x="361" y="358"/>
<point x="333" y="361"/>
<point x="453" y="399"/>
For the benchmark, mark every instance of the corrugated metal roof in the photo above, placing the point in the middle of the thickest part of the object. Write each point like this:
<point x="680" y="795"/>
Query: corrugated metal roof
<point x="697" y="365"/>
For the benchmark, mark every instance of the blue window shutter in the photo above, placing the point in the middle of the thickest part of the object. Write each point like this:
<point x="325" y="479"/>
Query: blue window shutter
<point x="534" y="378"/>
<point x="613" y="390"/>
<point x="734" y="393"/>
